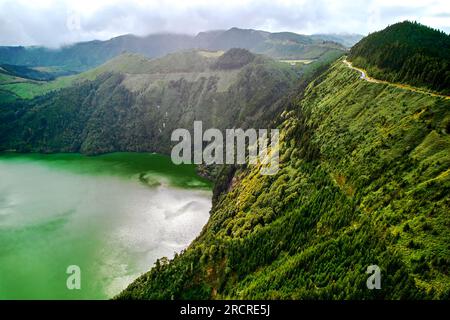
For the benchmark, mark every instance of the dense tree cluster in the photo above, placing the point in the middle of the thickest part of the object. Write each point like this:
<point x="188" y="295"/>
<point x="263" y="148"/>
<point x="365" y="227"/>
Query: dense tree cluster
<point x="406" y="52"/>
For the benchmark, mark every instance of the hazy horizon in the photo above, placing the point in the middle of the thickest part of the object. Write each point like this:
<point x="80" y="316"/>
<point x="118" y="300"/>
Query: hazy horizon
<point x="182" y="34"/>
<point x="54" y="23"/>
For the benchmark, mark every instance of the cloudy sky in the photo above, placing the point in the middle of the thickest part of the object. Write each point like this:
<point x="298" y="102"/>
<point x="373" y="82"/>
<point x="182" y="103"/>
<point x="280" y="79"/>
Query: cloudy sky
<point x="57" y="22"/>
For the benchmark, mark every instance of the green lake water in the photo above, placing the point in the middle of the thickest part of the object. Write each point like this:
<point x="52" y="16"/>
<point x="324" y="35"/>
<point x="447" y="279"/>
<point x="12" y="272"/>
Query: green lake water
<point x="111" y="215"/>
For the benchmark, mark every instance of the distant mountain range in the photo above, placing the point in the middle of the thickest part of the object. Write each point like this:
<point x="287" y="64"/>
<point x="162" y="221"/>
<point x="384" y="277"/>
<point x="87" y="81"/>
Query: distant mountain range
<point x="85" y="55"/>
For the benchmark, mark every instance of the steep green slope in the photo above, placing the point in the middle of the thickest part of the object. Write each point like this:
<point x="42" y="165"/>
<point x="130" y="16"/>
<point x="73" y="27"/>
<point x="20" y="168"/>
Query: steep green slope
<point x="406" y="52"/>
<point x="133" y="103"/>
<point x="364" y="180"/>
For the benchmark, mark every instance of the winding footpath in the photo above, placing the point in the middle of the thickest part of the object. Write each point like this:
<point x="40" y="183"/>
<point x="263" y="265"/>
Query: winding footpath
<point x="364" y="76"/>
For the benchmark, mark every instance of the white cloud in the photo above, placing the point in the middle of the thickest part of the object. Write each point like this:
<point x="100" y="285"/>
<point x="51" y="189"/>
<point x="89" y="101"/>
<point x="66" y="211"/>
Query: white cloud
<point x="50" y="22"/>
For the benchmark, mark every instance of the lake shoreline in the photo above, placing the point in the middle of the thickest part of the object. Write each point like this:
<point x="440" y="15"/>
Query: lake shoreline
<point x="79" y="192"/>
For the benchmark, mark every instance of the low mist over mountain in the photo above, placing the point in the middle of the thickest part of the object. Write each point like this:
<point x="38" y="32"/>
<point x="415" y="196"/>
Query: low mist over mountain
<point x="364" y="180"/>
<point x="85" y="55"/>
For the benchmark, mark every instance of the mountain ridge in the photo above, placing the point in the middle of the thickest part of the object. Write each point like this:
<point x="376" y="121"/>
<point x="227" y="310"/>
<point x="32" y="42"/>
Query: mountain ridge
<point x="84" y="55"/>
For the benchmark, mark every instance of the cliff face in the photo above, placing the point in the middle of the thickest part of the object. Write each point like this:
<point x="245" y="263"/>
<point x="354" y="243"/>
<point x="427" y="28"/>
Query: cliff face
<point x="364" y="180"/>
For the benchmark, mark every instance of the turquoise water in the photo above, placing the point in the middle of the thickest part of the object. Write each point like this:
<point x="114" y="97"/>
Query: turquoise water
<point x="111" y="215"/>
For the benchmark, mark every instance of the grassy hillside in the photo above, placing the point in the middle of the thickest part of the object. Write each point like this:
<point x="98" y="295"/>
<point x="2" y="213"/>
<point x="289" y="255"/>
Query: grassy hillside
<point x="364" y="180"/>
<point x="28" y="89"/>
<point x="406" y="52"/>
<point x="27" y="83"/>
<point x="25" y="72"/>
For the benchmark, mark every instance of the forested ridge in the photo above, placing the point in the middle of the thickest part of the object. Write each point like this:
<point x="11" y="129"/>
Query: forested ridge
<point x="406" y="52"/>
